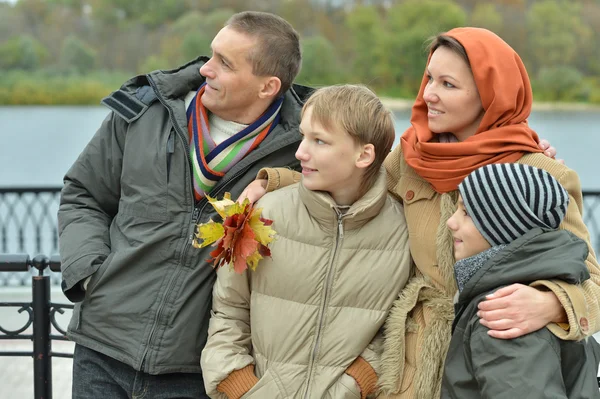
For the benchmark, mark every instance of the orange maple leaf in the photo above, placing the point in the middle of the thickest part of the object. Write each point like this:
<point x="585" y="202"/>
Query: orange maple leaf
<point x="245" y="235"/>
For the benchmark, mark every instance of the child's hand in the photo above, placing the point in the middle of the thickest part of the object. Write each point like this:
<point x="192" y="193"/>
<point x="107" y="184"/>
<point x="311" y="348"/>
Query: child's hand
<point x="518" y="309"/>
<point x="254" y="191"/>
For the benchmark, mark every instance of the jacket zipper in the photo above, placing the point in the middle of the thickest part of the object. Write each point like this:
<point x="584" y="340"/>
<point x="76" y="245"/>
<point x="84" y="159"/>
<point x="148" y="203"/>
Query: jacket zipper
<point x="326" y="294"/>
<point x="157" y="315"/>
<point x="170" y="151"/>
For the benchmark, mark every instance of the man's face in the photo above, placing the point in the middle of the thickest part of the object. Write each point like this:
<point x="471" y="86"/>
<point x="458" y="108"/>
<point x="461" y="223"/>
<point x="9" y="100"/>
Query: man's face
<point x="468" y="241"/>
<point x="231" y="88"/>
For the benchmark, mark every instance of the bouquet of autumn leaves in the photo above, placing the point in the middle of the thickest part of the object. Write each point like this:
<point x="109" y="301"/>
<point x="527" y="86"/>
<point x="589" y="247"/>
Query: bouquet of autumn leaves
<point x="241" y="240"/>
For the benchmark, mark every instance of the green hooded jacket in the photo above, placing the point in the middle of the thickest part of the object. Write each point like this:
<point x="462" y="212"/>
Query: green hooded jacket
<point x="536" y="365"/>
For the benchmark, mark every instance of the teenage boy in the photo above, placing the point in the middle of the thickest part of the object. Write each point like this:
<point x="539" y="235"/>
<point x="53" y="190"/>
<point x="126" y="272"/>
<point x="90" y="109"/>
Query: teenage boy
<point x="306" y="322"/>
<point x="505" y="232"/>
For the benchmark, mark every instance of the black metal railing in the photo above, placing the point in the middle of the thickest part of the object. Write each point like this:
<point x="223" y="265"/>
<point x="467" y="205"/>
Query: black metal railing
<point x="28" y="225"/>
<point x="41" y="318"/>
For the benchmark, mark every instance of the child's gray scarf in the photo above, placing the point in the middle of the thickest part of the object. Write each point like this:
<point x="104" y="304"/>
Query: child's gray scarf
<point x="464" y="269"/>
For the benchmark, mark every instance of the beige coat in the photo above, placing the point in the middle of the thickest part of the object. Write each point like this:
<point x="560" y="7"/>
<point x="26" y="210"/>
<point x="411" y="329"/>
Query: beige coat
<point x="418" y="330"/>
<point x="306" y="321"/>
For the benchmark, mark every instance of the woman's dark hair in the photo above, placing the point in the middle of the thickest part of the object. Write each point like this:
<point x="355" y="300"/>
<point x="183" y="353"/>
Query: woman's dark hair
<point x="443" y="40"/>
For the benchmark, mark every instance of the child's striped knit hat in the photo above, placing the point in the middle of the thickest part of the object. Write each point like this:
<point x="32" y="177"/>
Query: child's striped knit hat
<point x="507" y="200"/>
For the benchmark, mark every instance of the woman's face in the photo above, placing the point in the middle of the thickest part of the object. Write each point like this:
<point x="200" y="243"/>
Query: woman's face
<point x="452" y="98"/>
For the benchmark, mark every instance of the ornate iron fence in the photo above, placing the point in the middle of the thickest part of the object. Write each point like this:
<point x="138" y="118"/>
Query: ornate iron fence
<point x="28" y="225"/>
<point x="37" y="327"/>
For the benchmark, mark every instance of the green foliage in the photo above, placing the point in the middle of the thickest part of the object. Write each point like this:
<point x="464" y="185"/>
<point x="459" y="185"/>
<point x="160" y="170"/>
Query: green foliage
<point x="195" y="44"/>
<point x="319" y="63"/>
<point x="486" y="15"/>
<point x="77" y="55"/>
<point x="22" y="52"/>
<point x="367" y="34"/>
<point x="154" y="63"/>
<point x="52" y="88"/>
<point x="379" y="43"/>
<point x="410" y="24"/>
<point x="559" y="83"/>
<point x="555" y="31"/>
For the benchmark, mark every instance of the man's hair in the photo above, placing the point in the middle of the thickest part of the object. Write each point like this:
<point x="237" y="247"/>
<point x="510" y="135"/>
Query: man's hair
<point x="278" y="51"/>
<point x="356" y="110"/>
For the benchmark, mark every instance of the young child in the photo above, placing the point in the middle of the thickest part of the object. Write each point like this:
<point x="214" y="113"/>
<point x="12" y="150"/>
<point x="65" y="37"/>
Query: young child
<point x="505" y="232"/>
<point x="305" y="323"/>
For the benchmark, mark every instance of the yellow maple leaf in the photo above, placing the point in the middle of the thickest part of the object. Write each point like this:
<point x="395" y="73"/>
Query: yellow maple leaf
<point x="227" y="207"/>
<point x="264" y="234"/>
<point x="208" y="233"/>
<point x="253" y="259"/>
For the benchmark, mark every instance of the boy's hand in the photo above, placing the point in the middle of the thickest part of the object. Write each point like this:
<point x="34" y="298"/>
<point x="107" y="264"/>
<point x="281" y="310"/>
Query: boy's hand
<point x="518" y="309"/>
<point x="254" y="191"/>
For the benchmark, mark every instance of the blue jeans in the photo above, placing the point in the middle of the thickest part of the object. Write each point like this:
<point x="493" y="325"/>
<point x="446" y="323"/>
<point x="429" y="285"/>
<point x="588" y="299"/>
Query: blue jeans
<point x="99" y="376"/>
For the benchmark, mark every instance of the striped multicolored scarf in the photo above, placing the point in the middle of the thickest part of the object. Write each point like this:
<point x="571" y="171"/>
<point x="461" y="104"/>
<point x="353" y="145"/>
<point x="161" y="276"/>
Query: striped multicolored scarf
<point x="210" y="161"/>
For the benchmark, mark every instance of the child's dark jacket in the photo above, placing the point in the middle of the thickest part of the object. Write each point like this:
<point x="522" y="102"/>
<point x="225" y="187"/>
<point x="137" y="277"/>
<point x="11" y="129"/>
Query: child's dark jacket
<point x="537" y="365"/>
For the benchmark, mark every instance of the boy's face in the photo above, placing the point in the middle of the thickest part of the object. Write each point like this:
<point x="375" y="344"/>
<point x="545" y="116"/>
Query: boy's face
<point x="329" y="160"/>
<point x="468" y="241"/>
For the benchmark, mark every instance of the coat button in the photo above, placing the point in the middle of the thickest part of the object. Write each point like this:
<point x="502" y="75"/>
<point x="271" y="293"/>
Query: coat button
<point x="410" y="194"/>
<point x="583" y="323"/>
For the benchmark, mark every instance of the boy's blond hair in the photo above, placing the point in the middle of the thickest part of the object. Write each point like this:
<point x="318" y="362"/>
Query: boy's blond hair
<point x="356" y="110"/>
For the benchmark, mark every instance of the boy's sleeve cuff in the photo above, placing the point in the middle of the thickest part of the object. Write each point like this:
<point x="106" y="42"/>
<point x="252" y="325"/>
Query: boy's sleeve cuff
<point x="238" y="382"/>
<point x="278" y="177"/>
<point x="364" y="375"/>
<point x="272" y="176"/>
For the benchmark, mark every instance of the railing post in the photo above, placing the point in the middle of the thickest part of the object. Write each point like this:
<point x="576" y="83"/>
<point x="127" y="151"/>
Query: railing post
<point x="42" y="360"/>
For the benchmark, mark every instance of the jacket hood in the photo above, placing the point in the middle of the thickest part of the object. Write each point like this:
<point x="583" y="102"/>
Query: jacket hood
<point x="540" y="254"/>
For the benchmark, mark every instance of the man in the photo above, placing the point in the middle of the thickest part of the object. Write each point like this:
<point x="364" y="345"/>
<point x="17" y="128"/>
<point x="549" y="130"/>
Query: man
<point x="131" y="202"/>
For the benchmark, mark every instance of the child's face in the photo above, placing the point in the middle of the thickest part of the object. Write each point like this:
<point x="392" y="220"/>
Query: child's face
<point x="468" y="241"/>
<point x="329" y="160"/>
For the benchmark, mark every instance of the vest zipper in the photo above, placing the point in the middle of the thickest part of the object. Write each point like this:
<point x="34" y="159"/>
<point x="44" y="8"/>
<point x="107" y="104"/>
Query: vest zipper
<point x="326" y="295"/>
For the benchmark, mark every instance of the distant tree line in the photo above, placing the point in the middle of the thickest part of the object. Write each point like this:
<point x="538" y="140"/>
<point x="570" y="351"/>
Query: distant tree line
<point x="76" y="51"/>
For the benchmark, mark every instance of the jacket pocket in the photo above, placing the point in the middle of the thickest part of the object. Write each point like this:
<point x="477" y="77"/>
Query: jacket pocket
<point x="266" y="387"/>
<point x="344" y="388"/>
<point x="95" y="278"/>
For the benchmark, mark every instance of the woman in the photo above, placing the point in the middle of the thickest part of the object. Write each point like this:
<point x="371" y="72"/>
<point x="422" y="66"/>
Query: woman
<point x="471" y="110"/>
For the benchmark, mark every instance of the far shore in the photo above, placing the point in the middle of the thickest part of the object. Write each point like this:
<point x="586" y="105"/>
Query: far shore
<point x="401" y="104"/>
<point x="394" y="104"/>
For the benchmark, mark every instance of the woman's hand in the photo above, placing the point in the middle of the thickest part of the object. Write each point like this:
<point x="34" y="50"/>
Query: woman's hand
<point x="549" y="151"/>
<point x="518" y="309"/>
<point x="254" y="191"/>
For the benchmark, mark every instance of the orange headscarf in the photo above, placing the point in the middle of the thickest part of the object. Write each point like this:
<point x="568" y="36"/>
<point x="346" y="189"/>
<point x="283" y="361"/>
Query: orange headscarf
<point x="503" y="135"/>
